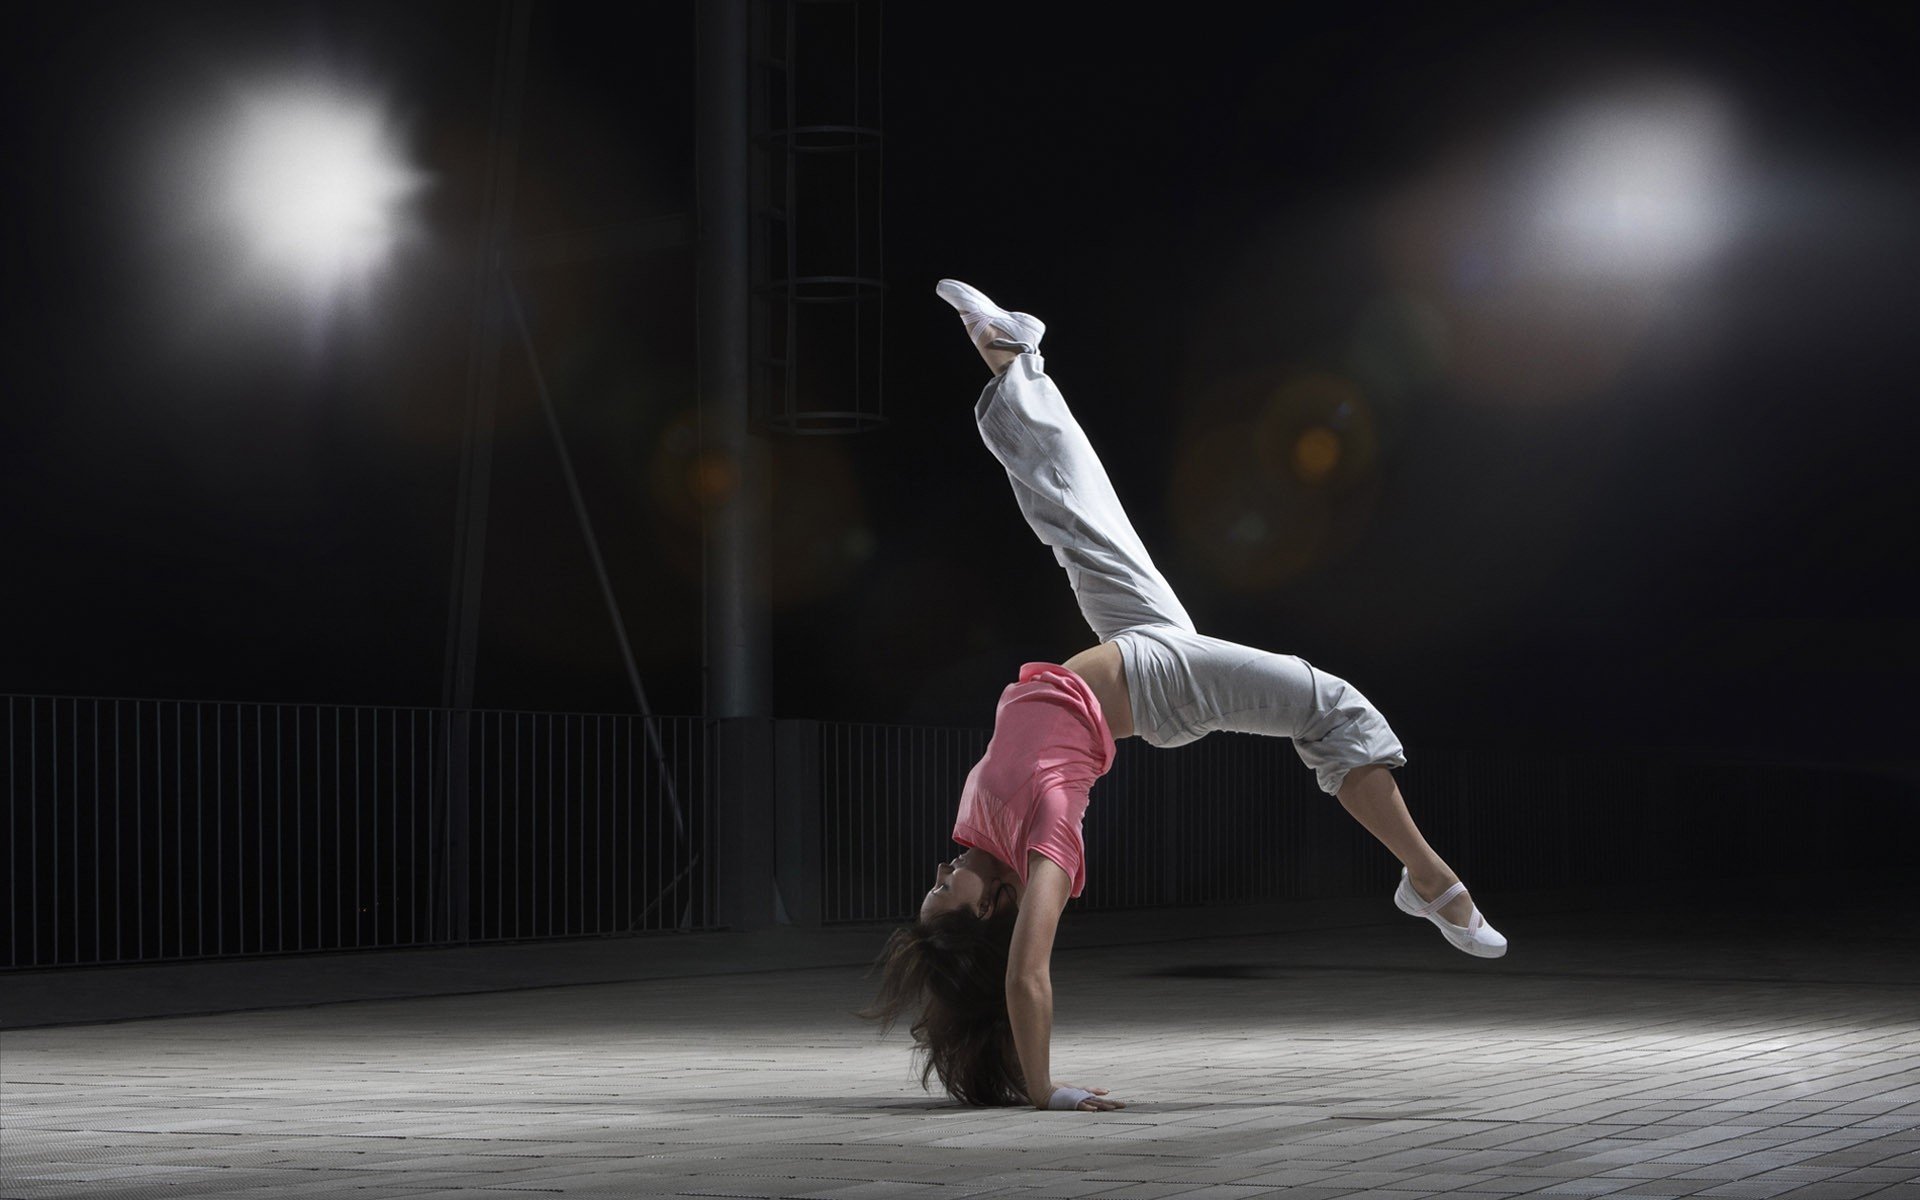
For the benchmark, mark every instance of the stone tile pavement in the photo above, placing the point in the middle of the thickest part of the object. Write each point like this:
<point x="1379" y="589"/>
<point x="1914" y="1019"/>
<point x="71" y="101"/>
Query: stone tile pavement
<point x="1731" y="1051"/>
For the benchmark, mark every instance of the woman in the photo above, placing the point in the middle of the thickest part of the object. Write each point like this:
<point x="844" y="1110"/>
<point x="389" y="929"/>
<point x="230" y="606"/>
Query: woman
<point x="976" y="961"/>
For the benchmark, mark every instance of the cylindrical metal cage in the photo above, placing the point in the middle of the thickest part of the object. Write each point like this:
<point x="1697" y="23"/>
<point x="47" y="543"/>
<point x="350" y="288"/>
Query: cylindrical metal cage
<point x="819" y="293"/>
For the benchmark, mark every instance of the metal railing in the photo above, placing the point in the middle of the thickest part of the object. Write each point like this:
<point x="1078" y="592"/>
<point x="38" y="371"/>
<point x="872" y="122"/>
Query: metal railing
<point x="154" y="830"/>
<point x="1234" y="818"/>
<point x="888" y="795"/>
<point x="159" y="830"/>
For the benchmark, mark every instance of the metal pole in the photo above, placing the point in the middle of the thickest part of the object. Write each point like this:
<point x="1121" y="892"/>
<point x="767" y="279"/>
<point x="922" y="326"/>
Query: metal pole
<point x="734" y="483"/>
<point x="736" y="534"/>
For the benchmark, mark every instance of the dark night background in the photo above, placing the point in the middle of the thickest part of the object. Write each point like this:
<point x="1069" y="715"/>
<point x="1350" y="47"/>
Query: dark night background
<point x="1587" y="515"/>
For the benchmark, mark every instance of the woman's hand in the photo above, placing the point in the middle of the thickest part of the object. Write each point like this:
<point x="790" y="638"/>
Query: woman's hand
<point x="1094" y="1102"/>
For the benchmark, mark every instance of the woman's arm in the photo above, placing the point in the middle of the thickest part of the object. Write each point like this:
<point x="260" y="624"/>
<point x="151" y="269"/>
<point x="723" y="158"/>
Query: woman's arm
<point x="1030" y="985"/>
<point x="1029" y="972"/>
<point x="1030" y="1008"/>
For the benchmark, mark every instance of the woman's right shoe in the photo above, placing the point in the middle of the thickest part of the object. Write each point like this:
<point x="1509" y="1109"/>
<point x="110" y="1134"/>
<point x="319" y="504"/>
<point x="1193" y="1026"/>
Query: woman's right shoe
<point x="987" y="323"/>
<point x="1476" y="937"/>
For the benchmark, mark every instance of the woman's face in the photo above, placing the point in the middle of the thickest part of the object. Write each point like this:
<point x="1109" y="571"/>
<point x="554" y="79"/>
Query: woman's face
<point x="956" y="884"/>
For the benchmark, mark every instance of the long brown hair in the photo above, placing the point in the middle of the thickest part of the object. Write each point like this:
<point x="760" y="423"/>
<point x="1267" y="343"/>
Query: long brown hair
<point x="954" y="967"/>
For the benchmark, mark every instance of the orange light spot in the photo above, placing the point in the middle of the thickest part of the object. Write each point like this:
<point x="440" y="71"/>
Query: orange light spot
<point x="711" y="478"/>
<point x="1316" y="453"/>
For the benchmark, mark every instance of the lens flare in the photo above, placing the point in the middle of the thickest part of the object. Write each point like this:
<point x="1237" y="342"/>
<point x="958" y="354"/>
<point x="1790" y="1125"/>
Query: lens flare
<point x="1317" y="428"/>
<point x="712" y="478"/>
<point x="1316" y="453"/>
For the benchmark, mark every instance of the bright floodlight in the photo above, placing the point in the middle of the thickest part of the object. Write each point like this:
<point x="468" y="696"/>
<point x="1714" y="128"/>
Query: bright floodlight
<point x="1635" y="187"/>
<point x="313" y="184"/>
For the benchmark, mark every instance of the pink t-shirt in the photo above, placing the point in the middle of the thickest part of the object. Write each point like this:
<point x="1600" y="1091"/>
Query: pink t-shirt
<point x="1029" y="791"/>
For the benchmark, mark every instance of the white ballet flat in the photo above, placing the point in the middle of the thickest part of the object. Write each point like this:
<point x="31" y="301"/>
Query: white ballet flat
<point x="984" y="319"/>
<point x="1476" y="937"/>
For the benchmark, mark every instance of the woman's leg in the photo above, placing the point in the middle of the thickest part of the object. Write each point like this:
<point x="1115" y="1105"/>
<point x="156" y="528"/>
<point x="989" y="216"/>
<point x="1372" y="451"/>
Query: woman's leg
<point x="1372" y="796"/>
<point x="1182" y="684"/>
<point x="1193" y="685"/>
<point x="1069" y="502"/>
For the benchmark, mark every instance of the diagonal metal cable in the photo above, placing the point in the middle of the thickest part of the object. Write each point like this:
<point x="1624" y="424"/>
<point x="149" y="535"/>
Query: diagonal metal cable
<point x="593" y="550"/>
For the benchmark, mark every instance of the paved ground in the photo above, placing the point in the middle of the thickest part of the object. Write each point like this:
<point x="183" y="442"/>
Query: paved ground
<point x="1703" y="1052"/>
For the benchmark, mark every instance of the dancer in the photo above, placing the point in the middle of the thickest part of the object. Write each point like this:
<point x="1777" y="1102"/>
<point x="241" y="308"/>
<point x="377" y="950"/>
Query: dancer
<point x="976" y="962"/>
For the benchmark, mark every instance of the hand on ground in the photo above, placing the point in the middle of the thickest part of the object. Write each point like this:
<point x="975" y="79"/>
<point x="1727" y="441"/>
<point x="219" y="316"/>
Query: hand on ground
<point x="1095" y="1102"/>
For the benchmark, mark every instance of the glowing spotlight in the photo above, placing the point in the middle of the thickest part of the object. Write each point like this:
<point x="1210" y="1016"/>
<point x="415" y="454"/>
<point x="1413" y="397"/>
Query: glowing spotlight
<point x="313" y="184"/>
<point x="1636" y="186"/>
<point x="269" y="208"/>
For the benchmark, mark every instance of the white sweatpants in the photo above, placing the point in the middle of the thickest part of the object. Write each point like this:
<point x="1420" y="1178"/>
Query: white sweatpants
<point x="1182" y="684"/>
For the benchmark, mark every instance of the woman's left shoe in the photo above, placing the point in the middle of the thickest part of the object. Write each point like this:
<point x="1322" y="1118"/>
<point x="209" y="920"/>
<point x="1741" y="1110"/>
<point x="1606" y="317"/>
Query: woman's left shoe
<point x="1476" y="937"/>
<point x="997" y="334"/>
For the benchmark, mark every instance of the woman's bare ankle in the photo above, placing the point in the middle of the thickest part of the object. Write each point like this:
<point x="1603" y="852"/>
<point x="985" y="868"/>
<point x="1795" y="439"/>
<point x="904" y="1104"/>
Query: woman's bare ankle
<point x="1430" y="879"/>
<point x="1434" y="880"/>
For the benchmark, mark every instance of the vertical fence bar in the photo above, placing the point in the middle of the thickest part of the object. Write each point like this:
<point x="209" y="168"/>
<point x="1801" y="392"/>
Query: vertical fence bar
<point x="600" y="824"/>
<point x="53" y="936"/>
<point x="14" y="907"/>
<point x="219" y="840"/>
<point x="176" y="801"/>
<point x="477" y="824"/>
<point x="299" y="819"/>
<point x="359" y="773"/>
<point x="599" y="801"/>
<point x="260" y="824"/>
<point x="420" y="823"/>
<point x="628" y="922"/>
<point x="888" y="824"/>
<point x="139" y="838"/>
<point x="918" y="822"/>
<point x="580" y="846"/>
<point x="393" y="831"/>
<point x="339" y="859"/>
<point x="655" y="889"/>
<point x="576" y="802"/>
<point x="546" y="872"/>
<point x="438" y="732"/>
<point x="507" y="823"/>
<point x="498" y="873"/>
<point x="573" y="790"/>
<point x="199" y="829"/>
<point x="518" y="851"/>
<point x="279" y="832"/>
<point x="830" y="822"/>
<point x="33" y="830"/>
<point x="98" y="903"/>
<point x="877" y="838"/>
<point x="576" y="795"/>
<point x="385" y="802"/>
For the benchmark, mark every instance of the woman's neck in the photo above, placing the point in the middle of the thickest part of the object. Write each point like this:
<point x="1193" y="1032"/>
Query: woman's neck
<point x="994" y="871"/>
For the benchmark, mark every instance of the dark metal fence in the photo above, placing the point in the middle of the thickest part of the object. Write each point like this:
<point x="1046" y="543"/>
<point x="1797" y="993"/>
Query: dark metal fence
<point x="888" y="795"/>
<point x="152" y="830"/>
<point x="1235" y="818"/>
